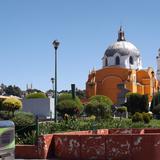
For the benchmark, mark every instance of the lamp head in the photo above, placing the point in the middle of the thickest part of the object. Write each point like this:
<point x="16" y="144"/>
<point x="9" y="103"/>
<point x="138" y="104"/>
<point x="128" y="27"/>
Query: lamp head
<point x="52" y="80"/>
<point x="56" y="44"/>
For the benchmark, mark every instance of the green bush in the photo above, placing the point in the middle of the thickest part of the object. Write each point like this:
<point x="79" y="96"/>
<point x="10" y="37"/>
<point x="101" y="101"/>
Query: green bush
<point x="146" y="117"/>
<point x="99" y="106"/>
<point x="24" y="127"/>
<point x="101" y="99"/>
<point x="86" y="124"/>
<point x="137" y="102"/>
<point x="137" y="117"/>
<point x="36" y="95"/>
<point x="66" y="104"/>
<point x="11" y="105"/>
<point x="156" y="110"/>
<point x="155" y="101"/>
<point x="23" y="119"/>
<point x="122" y="109"/>
<point x="27" y="138"/>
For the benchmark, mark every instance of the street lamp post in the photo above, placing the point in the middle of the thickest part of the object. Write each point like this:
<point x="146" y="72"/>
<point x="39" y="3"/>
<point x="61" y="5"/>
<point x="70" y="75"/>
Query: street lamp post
<point x="55" y="44"/>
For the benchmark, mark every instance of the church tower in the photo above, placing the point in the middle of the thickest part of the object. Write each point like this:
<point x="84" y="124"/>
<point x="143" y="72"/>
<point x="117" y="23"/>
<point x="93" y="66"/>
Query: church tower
<point x="158" y="65"/>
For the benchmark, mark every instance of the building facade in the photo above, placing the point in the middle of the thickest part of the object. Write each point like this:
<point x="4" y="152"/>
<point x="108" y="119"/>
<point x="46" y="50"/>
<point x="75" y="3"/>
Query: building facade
<point x="121" y="73"/>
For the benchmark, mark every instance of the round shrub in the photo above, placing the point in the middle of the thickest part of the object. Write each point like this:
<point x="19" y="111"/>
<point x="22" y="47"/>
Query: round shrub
<point x="101" y="99"/>
<point x="68" y="105"/>
<point x="36" y="95"/>
<point x="99" y="106"/>
<point x="122" y="109"/>
<point x="146" y="117"/>
<point x="137" y="117"/>
<point x="11" y="104"/>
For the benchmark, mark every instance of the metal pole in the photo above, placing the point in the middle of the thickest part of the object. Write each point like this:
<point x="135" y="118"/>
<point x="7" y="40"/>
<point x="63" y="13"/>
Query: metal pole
<point x="55" y="44"/>
<point x="55" y="91"/>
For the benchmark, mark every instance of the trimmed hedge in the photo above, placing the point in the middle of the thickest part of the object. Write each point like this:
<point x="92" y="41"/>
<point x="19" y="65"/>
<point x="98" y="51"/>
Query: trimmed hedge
<point x="68" y="105"/>
<point x="36" y="95"/>
<point x="141" y="117"/>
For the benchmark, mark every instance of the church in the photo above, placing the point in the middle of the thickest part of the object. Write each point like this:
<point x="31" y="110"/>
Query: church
<point x="121" y="73"/>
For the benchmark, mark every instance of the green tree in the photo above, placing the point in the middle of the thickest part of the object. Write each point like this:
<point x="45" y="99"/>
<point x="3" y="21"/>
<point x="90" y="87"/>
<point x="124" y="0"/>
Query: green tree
<point x="137" y="103"/>
<point x="13" y="90"/>
<point x="66" y="104"/>
<point x="81" y="93"/>
<point x="156" y="110"/>
<point x="100" y="106"/>
<point x="155" y="101"/>
<point x="11" y="105"/>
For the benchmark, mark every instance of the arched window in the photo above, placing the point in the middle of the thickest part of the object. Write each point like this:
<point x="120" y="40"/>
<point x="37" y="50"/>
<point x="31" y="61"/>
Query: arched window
<point x="131" y="60"/>
<point x="117" y="61"/>
<point x="106" y="62"/>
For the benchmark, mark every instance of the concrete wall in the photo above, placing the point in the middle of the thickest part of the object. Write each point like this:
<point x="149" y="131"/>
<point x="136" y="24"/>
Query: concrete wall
<point x="103" y="144"/>
<point x="43" y="149"/>
<point x="39" y="106"/>
<point x="117" y="144"/>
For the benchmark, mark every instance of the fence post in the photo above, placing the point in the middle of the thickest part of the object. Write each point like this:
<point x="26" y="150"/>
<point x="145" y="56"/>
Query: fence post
<point x="37" y="128"/>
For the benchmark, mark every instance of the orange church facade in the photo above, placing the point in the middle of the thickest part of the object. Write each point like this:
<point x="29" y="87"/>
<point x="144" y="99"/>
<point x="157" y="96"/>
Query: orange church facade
<point x="117" y="79"/>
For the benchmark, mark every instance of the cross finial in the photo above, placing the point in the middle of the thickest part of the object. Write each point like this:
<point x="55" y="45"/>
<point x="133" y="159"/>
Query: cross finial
<point x="121" y="35"/>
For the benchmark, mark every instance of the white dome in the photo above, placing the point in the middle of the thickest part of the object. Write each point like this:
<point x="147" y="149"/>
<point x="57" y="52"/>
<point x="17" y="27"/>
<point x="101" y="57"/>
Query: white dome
<point x="122" y="53"/>
<point x="123" y="48"/>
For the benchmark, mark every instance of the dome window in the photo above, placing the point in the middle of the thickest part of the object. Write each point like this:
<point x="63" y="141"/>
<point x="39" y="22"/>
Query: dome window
<point x="117" y="60"/>
<point x="131" y="60"/>
<point x="106" y="62"/>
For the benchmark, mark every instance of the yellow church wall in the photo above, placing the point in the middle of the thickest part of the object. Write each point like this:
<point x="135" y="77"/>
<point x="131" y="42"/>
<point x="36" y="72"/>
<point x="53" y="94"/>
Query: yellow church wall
<point x="110" y="87"/>
<point x="129" y="86"/>
<point x="140" y="89"/>
<point x="147" y="90"/>
<point x="142" y="75"/>
<point x="146" y="81"/>
<point x="106" y="82"/>
<point x="112" y="71"/>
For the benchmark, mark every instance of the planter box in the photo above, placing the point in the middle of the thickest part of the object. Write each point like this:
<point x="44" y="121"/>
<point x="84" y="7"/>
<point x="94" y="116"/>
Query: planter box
<point x="43" y="107"/>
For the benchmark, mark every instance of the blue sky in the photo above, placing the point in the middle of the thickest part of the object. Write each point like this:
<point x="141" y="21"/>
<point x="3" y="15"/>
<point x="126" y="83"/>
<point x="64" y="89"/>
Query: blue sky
<point x="85" y="28"/>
